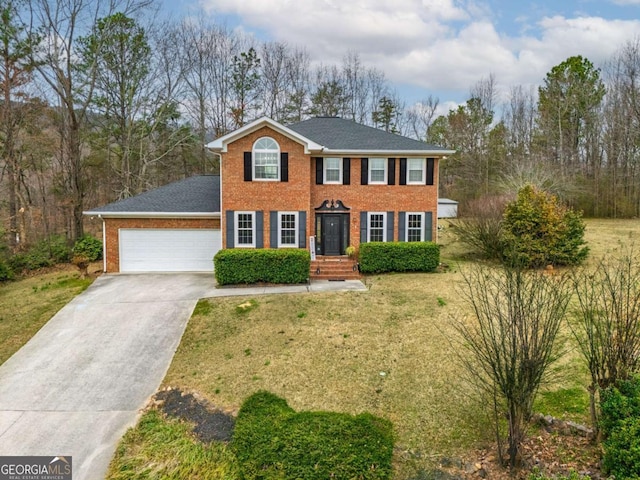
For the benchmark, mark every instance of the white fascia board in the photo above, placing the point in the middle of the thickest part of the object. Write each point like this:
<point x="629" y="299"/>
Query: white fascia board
<point x="389" y="153"/>
<point x="100" y="214"/>
<point x="220" y="144"/>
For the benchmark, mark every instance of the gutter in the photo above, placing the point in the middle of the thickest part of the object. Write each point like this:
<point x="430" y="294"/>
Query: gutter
<point x="103" y="214"/>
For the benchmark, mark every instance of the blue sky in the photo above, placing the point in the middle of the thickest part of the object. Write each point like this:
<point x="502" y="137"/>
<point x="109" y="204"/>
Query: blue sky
<point x="437" y="47"/>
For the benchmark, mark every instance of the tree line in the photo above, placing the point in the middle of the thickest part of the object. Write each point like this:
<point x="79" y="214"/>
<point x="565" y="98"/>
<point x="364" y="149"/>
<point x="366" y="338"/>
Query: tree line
<point x="98" y="105"/>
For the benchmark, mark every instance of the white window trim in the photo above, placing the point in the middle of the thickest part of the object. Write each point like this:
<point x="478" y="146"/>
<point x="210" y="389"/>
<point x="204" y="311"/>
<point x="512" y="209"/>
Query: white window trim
<point x="253" y="162"/>
<point x="406" y="228"/>
<point x="236" y="227"/>
<point x="384" y="225"/>
<point x="386" y="165"/>
<point x="424" y="172"/>
<point x="324" y="172"/>
<point x="287" y="245"/>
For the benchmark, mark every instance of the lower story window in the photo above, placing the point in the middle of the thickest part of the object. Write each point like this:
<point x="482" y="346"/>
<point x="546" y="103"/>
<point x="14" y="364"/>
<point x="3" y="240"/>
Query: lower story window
<point x="377" y="227"/>
<point x="287" y="229"/>
<point x="245" y="229"/>
<point x="415" y="230"/>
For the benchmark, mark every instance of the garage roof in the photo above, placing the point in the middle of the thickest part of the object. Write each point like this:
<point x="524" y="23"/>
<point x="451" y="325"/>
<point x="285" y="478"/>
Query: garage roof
<point x="197" y="196"/>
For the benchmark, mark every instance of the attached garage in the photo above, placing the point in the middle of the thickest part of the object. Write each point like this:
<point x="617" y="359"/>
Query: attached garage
<point x="174" y="228"/>
<point x="168" y="250"/>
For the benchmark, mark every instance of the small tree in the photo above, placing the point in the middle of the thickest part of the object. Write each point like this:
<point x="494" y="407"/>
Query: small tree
<point x="538" y="230"/>
<point x="511" y="341"/>
<point x="481" y="226"/>
<point x="607" y="325"/>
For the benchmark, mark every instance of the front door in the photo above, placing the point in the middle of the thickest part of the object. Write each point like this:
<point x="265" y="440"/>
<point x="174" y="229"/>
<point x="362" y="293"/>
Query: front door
<point x="332" y="234"/>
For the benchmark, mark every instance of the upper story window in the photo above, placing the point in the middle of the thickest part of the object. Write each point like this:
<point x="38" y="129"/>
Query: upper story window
<point x="377" y="170"/>
<point x="416" y="169"/>
<point x="332" y="170"/>
<point x="266" y="159"/>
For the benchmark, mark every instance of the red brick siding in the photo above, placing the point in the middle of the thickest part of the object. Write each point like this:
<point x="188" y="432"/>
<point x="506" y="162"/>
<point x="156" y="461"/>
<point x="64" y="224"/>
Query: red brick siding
<point x="378" y="198"/>
<point x="113" y="225"/>
<point x="302" y="193"/>
<point x="237" y="194"/>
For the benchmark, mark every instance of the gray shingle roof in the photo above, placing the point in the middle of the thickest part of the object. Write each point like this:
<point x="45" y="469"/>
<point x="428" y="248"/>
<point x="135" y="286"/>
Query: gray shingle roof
<point x="337" y="133"/>
<point x="199" y="194"/>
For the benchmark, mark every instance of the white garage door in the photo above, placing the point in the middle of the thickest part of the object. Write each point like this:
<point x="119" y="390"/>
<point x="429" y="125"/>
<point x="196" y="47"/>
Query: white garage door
<point x="168" y="250"/>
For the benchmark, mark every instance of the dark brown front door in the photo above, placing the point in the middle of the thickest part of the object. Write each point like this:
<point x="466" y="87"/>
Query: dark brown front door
<point x="332" y="234"/>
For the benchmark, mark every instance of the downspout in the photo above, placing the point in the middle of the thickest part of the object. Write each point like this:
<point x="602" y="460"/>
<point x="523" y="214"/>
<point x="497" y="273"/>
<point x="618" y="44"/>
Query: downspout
<point x="104" y="244"/>
<point x="223" y="237"/>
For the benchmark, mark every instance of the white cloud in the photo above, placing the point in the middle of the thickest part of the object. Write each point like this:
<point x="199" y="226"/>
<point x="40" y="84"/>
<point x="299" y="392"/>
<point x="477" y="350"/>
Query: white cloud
<point x="434" y="44"/>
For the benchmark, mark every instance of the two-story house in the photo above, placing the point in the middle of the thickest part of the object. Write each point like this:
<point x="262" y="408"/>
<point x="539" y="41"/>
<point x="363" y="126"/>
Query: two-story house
<point x="322" y="184"/>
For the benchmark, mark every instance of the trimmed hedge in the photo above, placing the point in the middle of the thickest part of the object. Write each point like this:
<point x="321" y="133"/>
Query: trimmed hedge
<point x="622" y="450"/>
<point x="244" y="266"/>
<point x="272" y="441"/>
<point x="380" y="257"/>
<point x="620" y="423"/>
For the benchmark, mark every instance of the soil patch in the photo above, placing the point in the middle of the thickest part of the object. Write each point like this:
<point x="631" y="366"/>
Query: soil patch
<point x="210" y="424"/>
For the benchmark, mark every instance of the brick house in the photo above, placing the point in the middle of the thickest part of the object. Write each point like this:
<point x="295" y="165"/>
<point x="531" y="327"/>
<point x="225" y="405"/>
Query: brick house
<point x="323" y="184"/>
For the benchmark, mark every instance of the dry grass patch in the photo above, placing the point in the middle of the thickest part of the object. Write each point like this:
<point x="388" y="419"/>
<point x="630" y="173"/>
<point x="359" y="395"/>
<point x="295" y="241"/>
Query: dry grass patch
<point x="385" y="351"/>
<point x="27" y="304"/>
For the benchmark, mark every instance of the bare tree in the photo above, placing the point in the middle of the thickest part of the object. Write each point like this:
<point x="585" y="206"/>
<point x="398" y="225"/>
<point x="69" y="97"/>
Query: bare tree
<point x="16" y="66"/>
<point x="620" y="192"/>
<point x="607" y="321"/>
<point x="420" y="116"/>
<point x="510" y="342"/>
<point x="61" y="22"/>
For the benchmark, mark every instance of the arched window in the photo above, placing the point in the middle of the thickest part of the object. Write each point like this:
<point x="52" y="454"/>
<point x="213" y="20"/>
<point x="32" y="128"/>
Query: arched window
<point x="266" y="159"/>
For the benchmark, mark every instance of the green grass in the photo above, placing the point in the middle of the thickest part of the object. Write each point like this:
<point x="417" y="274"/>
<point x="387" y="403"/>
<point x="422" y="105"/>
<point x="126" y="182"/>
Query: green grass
<point x="388" y="351"/>
<point x="160" y="447"/>
<point x="27" y="304"/>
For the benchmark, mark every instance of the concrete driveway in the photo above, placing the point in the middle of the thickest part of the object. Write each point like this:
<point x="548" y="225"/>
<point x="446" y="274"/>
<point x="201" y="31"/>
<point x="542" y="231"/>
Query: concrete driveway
<point x="77" y="385"/>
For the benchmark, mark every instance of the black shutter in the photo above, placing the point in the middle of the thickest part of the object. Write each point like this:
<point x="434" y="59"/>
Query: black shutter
<point x="247" y="167"/>
<point x="284" y="167"/>
<point x="430" y="168"/>
<point x="389" y="226"/>
<point x="346" y="171"/>
<point x="402" y="226"/>
<point x="273" y="229"/>
<point x="319" y="171"/>
<point x="302" y="229"/>
<point x="229" y="229"/>
<point x="403" y="171"/>
<point x="428" y="226"/>
<point x="391" y="171"/>
<point x="259" y="230"/>
<point x="364" y="171"/>
<point x="363" y="227"/>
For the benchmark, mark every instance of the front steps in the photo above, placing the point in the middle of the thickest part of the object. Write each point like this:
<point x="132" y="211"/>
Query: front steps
<point x="334" y="268"/>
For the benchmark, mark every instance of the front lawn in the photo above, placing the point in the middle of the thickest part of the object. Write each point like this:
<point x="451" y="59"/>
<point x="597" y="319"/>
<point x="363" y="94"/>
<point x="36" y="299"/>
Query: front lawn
<point x="389" y="351"/>
<point x="27" y="304"/>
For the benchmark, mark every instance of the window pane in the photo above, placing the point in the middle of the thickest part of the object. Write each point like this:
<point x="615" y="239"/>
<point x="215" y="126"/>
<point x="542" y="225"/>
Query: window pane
<point x="376" y="227"/>
<point x="245" y="229"/>
<point x="332" y="168"/>
<point x="414" y="227"/>
<point x="266" y="165"/>
<point x="288" y="229"/>
<point x="416" y="170"/>
<point x="376" y="170"/>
